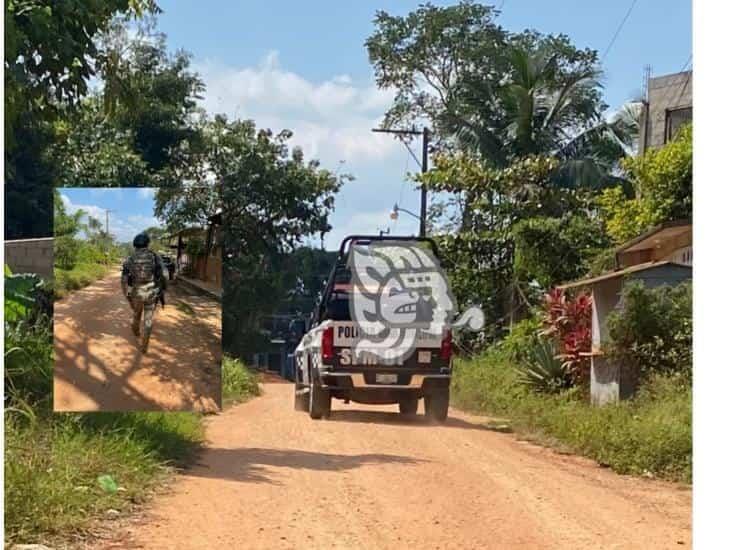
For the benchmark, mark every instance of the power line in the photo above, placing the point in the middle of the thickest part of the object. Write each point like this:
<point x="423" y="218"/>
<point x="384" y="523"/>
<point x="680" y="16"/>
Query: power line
<point x="618" y="30"/>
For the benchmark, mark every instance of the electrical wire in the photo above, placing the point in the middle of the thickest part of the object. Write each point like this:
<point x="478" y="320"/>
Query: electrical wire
<point x="618" y="30"/>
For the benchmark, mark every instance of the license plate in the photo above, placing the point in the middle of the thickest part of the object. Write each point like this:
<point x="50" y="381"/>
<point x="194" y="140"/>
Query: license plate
<point x="386" y="378"/>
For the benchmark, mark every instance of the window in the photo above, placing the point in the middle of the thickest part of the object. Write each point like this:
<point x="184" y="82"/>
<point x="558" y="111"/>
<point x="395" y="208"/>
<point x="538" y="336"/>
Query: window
<point x="675" y="119"/>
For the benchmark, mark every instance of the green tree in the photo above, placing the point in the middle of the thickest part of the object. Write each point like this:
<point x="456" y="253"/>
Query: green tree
<point x="140" y="129"/>
<point x="480" y="256"/>
<point x="50" y="49"/>
<point x="661" y="181"/>
<point x="65" y="227"/>
<point x="430" y="55"/>
<point x="50" y="55"/>
<point x="554" y="250"/>
<point x="92" y="151"/>
<point x="272" y="199"/>
<point x="499" y="94"/>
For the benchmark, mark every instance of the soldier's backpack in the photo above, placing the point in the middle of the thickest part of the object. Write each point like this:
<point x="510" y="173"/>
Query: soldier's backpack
<point x="142" y="267"/>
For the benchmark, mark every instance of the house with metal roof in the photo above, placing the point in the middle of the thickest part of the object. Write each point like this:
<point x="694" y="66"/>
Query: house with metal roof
<point x="661" y="256"/>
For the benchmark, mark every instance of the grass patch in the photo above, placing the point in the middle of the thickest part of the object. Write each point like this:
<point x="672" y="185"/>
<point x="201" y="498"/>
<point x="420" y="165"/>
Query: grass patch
<point x="239" y="382"/>
<point x="81" y="275"/>
<point x="185" y="308"/>
<point x="53" y="464"/>
<point x="650" y="434"/>
<point x="64" y="471"/>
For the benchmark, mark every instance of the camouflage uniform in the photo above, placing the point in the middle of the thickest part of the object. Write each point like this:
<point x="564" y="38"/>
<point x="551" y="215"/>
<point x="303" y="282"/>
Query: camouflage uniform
<point x="142" y="281"/>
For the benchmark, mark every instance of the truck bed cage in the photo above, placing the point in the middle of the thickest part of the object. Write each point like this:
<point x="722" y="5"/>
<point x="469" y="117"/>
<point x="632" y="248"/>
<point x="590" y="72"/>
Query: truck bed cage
<point x="342" y="257"/>
<point x="371" y="238"/>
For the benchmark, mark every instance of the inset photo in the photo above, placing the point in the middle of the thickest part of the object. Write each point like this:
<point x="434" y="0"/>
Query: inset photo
<point x="137" y="316"/>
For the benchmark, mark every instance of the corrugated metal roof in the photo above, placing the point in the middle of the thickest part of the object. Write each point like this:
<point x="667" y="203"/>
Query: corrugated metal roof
<point x="620" y="273"/>
<point x="654" y="232"/>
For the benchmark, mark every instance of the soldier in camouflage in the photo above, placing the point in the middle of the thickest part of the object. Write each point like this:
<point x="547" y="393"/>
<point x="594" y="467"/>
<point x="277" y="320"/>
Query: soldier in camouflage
<point x="143" y="284"/>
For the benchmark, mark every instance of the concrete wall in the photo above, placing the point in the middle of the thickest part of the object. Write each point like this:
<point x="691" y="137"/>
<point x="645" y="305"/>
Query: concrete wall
<point x="30" y="256"/>
<point x="611" y="382"/>
<point x="663" y="275"/>
<point x="669" y="92"/>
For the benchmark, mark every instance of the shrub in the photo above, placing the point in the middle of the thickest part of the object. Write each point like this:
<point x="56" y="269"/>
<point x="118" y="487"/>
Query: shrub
<point x="239" y="382"/>
<point x="521" y="338"/>
<point x="542" y="371"/>
<point x="28" y="359"/>
<point x="28" y="338"/>
<point x="65" y="251"/>
<point x="651" y="433"/>
<point x="552" y="250"/>
<point x="651" y="331"/>
<point x="23" y="293"/>
<point x="569" y="320"/>
<point x="94" y="254"/>
<point x="80" y="276"/>
<point x="662" y="180"/>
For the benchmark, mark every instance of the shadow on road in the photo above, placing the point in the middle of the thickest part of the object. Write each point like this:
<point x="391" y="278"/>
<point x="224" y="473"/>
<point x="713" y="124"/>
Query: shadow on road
<point x="255" y="465"/>
<point x="99" y="353"/>
<point x="397" y="419"/>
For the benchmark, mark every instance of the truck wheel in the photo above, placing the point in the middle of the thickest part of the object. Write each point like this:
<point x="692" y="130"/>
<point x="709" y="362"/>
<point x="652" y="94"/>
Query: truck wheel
<point x="320" y="401"/>
<point x="437" y="405"/>
<point x="301" y="400"/>
<point x="408" y="405"/>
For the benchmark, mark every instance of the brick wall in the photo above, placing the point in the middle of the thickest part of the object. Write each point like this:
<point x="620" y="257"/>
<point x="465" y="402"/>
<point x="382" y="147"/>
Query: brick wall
<point x="30" y="256"/>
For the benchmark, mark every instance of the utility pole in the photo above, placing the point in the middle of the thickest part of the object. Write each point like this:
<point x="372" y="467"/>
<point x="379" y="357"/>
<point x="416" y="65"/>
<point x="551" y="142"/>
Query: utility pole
<point x="425" y="134"/>
<point x="424" y="169"/>
<point x="107" y="220"/>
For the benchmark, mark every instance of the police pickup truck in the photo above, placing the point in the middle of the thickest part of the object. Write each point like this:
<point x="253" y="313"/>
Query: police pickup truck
<point x="332" y="362"/>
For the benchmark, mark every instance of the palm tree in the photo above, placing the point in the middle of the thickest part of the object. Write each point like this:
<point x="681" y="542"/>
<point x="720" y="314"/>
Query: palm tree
<point x="539" y="105"/>
<point x="93" y="229"/>
<point x="591" y="158"/>
<point x="541" y="109"/>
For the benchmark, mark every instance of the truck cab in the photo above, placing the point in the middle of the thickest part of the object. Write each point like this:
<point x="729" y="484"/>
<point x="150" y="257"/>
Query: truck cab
<point x="327" y="365"/>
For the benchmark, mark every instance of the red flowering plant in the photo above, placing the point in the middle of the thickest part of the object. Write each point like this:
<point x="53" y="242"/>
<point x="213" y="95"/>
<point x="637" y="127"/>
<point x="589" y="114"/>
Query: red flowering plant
<point x="568" y="320"/>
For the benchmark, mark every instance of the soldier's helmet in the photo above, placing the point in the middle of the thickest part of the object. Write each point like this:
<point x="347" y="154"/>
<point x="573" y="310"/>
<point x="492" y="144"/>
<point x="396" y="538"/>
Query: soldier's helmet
<point x="141" y="241"/>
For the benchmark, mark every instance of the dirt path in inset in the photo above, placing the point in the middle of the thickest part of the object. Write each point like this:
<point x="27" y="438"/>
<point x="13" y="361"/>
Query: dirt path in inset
<point x="273" y="478"/>
<point x="98" y="365"/>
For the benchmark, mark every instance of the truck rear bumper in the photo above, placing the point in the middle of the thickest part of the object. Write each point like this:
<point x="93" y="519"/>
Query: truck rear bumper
<point x="359" y="380"/>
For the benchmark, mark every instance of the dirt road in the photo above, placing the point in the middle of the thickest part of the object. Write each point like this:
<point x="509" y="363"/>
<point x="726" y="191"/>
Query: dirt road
<point x="272" y="478"/>
<point x="98" y="365"/>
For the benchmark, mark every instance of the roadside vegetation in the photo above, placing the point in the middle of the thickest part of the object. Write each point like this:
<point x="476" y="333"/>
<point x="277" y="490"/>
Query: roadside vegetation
<point x="535" y="184"/>
<point x="62" y="472"/>
<point x="79" y="262"/>
<point x="239" y="382"/>
<point x="649" y="434"/>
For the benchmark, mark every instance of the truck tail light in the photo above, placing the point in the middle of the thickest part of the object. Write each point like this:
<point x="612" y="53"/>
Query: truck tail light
<point x="328" y="344"/>
<point x="446" y="349"/>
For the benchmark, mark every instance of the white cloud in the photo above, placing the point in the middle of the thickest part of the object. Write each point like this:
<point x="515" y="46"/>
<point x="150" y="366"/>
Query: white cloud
<point x="146" y="192"/>
<point x="331" y="119"/>
<point x="144" y="221"/>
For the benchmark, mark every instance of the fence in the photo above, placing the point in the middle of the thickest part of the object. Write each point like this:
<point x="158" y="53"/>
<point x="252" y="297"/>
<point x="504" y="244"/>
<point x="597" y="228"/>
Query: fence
<point x="30" y="256"/>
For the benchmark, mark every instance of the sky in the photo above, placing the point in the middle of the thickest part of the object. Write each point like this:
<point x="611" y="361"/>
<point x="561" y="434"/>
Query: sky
<point x="131" y="209"/>
<point x="303" y="66"/>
